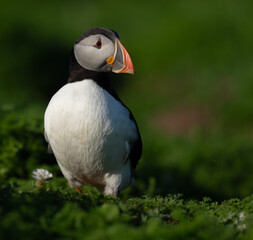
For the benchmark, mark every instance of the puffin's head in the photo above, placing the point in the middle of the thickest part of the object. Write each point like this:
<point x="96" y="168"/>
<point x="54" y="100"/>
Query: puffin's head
<point x="100" y="50"/>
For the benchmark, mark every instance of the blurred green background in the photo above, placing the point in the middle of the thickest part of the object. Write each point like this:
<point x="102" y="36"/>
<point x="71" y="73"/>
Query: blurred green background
<point x="192" y="94"/>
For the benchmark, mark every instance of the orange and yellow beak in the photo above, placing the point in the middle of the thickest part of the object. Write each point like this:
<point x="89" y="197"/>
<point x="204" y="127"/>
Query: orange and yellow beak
<point x="120" y="61"/>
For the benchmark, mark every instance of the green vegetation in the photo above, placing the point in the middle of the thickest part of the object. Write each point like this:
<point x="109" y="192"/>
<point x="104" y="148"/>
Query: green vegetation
<point x="192" y="97"/>
<point x="64" y="214"/>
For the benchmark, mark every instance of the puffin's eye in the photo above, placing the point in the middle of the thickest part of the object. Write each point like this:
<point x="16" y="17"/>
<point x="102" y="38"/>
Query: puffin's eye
<point x="98" y="44"/>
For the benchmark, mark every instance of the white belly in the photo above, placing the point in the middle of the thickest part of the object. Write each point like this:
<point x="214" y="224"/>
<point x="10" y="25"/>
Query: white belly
<point x="88" y="130"/>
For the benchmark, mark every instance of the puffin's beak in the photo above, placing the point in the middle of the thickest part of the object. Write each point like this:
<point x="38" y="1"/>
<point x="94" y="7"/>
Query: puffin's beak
<point x="121" y="61"/>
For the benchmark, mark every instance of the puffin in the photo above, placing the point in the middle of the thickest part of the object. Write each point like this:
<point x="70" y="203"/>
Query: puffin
<point x="92" y="134"/>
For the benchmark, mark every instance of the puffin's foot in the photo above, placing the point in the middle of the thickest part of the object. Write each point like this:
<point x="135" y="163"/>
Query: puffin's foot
<point x="79" y="190"/>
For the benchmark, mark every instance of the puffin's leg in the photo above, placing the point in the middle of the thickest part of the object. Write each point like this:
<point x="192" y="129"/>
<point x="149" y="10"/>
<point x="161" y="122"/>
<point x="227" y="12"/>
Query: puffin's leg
<point x="112" y="184"/>
<point x="73" y="182"/>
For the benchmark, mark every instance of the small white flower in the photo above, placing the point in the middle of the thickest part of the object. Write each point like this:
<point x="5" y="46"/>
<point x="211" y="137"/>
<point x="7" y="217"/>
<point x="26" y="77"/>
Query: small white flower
<point x="242" y="216"/>
<point x="242" y="227"/>
<point x="40" y="174"/>
<point x="239" y="222"/>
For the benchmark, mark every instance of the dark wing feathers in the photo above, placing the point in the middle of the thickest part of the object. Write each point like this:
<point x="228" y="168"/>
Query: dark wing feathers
<point x="136" y="146"/>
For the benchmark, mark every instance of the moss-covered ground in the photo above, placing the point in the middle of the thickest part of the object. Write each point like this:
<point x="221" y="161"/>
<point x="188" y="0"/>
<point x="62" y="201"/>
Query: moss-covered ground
<point x="61" y="213"/>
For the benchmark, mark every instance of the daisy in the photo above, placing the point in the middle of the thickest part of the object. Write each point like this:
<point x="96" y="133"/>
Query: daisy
<point x="41" y="176"/>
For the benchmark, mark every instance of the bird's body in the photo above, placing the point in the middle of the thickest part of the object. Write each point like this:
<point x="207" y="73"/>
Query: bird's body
<point x="93" y="136"/>
<point x="89" y="131"/>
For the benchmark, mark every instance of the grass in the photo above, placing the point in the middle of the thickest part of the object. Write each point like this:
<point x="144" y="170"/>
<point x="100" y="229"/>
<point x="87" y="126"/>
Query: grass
<point x="61" y="213"/>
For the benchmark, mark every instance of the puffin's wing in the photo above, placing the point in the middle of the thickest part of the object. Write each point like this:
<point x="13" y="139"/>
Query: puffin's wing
<point x="49" y="149"/>
<point x="135" y="145"/>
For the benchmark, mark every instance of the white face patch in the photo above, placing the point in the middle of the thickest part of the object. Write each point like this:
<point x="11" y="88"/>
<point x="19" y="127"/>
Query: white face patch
<point x="91" y="57"/>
